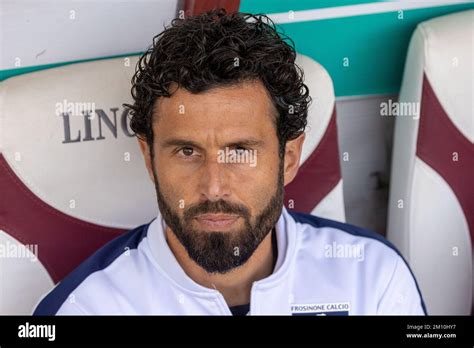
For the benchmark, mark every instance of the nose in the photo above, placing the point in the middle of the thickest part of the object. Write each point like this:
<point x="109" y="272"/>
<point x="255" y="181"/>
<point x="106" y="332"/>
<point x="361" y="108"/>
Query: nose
<point x="214" y="181"/>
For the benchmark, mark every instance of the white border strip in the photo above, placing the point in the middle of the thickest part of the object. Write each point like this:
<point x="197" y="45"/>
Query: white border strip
<point x="357" y="10"/>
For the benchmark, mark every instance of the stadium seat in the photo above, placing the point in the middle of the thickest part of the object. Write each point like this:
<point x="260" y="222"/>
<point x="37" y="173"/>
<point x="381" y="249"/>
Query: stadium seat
<point x="431" y="206"/>
<point x="72" y="179"/>
<point x="317" y="189"/>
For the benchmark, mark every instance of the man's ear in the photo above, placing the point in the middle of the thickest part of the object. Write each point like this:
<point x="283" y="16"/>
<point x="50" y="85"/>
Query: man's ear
<point x="293" y="149"/>
<point x="147" y="157"/>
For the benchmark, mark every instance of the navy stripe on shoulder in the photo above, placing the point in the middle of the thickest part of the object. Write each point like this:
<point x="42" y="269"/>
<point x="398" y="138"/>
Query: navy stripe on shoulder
<point x="356" y="231"/>
<point x="101" y="259"/>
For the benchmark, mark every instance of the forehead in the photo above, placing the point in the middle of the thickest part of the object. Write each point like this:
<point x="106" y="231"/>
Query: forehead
<point x="247" y="104"/>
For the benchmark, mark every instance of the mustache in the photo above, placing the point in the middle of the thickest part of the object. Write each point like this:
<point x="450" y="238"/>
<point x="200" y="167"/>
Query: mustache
<point x="220" y="206"/>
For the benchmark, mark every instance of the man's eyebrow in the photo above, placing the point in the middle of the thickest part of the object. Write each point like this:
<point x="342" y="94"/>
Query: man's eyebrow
<point x="180" y="142"/>
<point x="184" y="142"/>
<point x="245" y="142"/>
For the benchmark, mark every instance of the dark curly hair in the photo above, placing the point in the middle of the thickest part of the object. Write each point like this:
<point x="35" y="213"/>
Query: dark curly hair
<point x="199" y="53"/>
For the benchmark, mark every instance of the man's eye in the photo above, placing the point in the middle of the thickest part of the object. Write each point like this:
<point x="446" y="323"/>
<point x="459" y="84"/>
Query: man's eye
<point x="186" y="151"/>
<point x="240" y="149"/>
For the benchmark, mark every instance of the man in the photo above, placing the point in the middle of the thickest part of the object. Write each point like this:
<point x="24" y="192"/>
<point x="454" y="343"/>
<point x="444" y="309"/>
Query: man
<point x="220" y="111"/>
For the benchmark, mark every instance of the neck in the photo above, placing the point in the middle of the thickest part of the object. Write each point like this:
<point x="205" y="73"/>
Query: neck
<point x="235" y="285"/>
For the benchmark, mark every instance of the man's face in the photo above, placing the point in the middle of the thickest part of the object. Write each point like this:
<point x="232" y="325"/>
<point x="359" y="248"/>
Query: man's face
<point x="217" y="171"/>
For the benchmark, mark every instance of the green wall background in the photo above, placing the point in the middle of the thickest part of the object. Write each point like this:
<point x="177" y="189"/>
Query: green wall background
<point x="276" y="6"/>
<point x="375" y="44"/>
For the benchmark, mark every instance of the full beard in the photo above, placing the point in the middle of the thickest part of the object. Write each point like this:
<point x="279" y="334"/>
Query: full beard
<point x="221" y="252"/>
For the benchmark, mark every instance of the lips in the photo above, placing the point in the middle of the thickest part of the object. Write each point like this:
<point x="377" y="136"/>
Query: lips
<point x="216" y="220"/>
